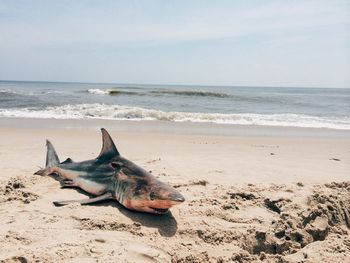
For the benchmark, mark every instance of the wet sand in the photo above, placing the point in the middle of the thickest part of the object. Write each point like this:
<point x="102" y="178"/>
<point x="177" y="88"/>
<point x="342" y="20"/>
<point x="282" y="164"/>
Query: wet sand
<point x="252" y="194"/>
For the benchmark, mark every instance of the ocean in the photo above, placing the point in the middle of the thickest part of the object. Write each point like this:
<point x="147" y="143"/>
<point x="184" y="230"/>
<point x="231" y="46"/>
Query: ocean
<point x="272" y="106"/>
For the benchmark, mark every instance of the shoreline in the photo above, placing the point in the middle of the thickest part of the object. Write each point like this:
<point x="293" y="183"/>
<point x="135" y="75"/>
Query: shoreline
<point x="190" y="128"/>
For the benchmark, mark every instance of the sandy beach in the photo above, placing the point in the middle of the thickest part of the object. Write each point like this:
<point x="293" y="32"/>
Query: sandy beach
<point x="253" y="194"/>
<point x="231" y="125"/>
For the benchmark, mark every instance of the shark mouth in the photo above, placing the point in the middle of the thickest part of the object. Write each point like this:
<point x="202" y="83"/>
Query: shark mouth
<point x="160" y="210"/>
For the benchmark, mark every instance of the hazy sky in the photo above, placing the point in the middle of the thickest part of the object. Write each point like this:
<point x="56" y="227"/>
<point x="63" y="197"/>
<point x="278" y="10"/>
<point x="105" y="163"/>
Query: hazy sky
<point x="275" y="43"/>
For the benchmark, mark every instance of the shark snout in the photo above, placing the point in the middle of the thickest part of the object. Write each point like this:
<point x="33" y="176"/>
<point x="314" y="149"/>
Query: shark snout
<point x="176" y="197"/>
<point x="169" y="194"/>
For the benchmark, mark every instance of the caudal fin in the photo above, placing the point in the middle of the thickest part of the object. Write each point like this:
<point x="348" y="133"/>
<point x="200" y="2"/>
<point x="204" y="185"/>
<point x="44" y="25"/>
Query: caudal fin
<point x="51" y="159"/>
<point x="51" y="155"/>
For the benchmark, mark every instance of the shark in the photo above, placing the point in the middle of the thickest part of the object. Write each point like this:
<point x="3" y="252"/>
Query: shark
<point x="111" y="177"/>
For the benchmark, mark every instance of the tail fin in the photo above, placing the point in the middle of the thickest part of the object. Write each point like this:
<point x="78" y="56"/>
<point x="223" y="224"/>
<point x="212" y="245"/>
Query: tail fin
<point x="51" y="155"/>
<point x="51" y="159"/>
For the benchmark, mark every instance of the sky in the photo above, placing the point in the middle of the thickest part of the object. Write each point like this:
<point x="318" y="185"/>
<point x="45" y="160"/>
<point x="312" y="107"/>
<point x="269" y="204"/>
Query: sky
<point x="301" y="43"/>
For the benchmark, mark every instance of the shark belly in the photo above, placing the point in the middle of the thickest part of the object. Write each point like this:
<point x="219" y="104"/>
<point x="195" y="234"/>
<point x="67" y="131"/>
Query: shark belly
<point x="67" y="173"/>
<point x="90" y="186"/>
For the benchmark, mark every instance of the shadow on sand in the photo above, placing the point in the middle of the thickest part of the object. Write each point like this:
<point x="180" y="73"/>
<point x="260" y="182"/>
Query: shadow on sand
<point x="166" y="223"/>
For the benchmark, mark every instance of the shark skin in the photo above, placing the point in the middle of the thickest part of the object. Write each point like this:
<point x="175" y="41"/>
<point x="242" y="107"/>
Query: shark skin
<point x="111" y="176"/>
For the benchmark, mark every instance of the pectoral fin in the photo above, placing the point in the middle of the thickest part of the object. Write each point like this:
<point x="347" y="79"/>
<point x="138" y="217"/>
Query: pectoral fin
<point x="100" y="198"/>
<point x="66" y="183"/>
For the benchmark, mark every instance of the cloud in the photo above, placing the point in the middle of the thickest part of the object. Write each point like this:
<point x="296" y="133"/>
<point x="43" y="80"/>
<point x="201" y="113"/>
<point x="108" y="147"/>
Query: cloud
<point x="304" y="43"/>
<point x="200" y="23"/>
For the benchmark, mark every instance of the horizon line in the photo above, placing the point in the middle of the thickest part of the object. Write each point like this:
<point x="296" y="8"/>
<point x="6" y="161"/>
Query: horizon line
<point x="194" y="85"/>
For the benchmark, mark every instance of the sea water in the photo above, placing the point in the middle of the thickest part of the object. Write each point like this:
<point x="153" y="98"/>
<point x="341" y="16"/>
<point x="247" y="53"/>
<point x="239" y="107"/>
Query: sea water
<point x="273" y="106"/>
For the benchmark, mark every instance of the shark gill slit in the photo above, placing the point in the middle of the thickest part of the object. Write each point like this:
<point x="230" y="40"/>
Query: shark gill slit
<point x="119" y="191"/>
<point x="122" y="191"/>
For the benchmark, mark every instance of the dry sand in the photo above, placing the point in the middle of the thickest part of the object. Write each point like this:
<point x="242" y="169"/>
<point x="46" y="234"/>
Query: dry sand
<point x="249" y="198"/>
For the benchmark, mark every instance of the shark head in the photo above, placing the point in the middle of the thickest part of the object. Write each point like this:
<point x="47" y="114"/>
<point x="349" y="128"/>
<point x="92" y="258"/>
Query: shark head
<point x="136" y="188"/>
<point x="143" y="192"/>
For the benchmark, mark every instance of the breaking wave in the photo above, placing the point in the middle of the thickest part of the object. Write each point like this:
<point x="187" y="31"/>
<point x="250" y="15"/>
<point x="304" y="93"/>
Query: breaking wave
<point x="110" y="92"/>
<point x="8" y="91"/>
<point x="200" y="93"/>
<point x="116" y="112"/>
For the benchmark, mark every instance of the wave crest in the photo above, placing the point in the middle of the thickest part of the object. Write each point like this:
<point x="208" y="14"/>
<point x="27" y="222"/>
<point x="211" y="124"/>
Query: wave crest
<point x="8" y="91"/>
<point x="116" y="112"/>
<point x="200" y="93"/>
<point x="109" y="92"/>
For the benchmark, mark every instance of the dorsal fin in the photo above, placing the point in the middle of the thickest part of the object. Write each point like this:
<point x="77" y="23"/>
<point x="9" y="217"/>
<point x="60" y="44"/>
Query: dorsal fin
<point x="68" y="160"/>
<point x="108" y="148"/>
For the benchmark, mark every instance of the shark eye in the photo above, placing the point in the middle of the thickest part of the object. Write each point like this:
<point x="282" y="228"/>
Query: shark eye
<point x="152" y="196"/>
<point x="116" y="165"/>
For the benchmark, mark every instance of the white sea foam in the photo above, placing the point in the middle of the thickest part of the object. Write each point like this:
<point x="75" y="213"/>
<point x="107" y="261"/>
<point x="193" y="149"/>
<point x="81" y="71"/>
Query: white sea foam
<point x="99" y="91"/>
<point x="7" y="91"/>
<point x="116" y="112"/>
<point x="110" y="92"/>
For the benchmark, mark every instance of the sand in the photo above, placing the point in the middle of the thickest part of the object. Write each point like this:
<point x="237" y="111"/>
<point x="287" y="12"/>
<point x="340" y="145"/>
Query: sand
<point x="252" y="194"/>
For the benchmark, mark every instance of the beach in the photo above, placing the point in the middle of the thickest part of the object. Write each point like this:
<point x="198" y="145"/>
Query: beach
<point x="174" y="131"/>
<point x="253" y="193"/>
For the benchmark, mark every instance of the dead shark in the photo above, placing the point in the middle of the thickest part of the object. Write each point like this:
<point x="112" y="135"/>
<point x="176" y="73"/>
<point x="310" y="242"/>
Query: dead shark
<point x="111" y="176"/>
